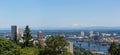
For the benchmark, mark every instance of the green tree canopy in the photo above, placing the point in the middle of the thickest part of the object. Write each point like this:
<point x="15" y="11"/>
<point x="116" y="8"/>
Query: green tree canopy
<point x="81" y="51"/>
<point x="27" y="36"/>
<point x="56" y="46"/>
<point x="29" y="51"/>
<point x="7" y="47"/>
<point x="113" y="49"/>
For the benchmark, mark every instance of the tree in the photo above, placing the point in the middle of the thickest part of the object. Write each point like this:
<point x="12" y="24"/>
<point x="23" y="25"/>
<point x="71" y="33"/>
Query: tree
<point x="118" y="49"/>
<point x="45" y="51"/>
<point x="29" y="51"/>
<point x="113" y="49"/>
<point x="81" y="51"/>
<point x="27" y="36"/>
<point x="8" y="47"/>
<point x="56" y="45"/>
<point x="16" y="37"/>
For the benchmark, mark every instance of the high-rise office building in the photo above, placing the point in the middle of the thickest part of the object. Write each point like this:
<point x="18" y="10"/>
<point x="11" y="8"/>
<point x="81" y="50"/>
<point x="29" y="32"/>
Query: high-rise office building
<point x="13" y="31"/>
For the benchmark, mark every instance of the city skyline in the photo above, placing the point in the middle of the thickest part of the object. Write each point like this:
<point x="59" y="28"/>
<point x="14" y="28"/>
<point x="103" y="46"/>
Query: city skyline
<point x="62" y="13"/>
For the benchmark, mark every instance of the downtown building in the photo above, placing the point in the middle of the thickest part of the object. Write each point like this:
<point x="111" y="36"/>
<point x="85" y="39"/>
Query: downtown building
<point x="13" y="32"/>
<point x="16" y="33"/>
<point x="41" y="38"/>
<point x="70" y="47"/>
<point x="20" y="33"/>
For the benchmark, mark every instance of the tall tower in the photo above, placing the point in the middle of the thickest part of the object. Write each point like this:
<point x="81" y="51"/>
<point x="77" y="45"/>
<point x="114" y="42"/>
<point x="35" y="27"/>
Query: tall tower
<point x="40" y="38"/>
<point x="70" y="47"/>
<point x="13" y="31"/>
<point x="20" y="33"/>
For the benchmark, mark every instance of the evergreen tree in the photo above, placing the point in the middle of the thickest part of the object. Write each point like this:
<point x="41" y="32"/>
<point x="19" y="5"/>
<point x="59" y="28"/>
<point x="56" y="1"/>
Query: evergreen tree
<point x="56" y="45"/>
<point x="16" y="38"/>
<point x="27" y="36"/>
<point x="113" y="49"/>
<point x="118" y="49"/>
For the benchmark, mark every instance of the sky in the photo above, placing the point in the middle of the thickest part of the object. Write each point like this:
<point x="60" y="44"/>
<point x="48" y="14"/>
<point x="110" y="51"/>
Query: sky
<point x="59" y="13"/>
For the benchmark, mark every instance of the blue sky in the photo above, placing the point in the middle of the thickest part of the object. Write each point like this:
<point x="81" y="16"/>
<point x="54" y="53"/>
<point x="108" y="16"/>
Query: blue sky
<point x="59" y="13"/>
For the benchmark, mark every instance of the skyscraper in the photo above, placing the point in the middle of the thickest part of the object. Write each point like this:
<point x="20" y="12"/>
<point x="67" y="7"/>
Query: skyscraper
<point x="13" y="32"/>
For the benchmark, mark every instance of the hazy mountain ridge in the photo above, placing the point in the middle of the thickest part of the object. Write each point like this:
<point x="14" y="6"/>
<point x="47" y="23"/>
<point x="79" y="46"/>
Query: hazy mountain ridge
<point x="71" y="28"/>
